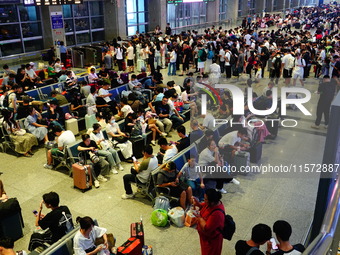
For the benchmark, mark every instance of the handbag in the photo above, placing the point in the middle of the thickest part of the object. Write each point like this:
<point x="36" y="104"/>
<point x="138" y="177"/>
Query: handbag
<point x="20" y="132"/>
<point x="120" y="139"/>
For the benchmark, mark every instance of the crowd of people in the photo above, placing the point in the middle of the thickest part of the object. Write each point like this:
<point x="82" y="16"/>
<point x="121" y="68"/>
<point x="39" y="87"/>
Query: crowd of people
<point x="158" y="106"/>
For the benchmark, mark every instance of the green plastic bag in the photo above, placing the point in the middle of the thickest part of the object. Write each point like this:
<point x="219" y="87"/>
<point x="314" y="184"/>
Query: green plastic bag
<point x="159" y="218"/>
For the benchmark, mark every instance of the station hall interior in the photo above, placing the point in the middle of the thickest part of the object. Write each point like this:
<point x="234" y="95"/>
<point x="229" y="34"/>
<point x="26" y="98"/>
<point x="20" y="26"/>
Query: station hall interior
<point x="309" y="200"/>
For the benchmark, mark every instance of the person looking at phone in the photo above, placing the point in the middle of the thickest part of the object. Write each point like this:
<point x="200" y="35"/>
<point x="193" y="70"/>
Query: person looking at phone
<point x="261" y="233"/>
<point x="140" y="172"/>
<point x="84" y="239"/>
<point x="59" y="221"/>
<point x="88" y="146"/>
<point x="170" y="150"/>
<point x="184" y="142"/>
<point x="283" y="231"/>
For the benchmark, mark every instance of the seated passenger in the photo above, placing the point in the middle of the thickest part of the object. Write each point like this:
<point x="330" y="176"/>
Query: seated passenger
<point x="119" y="139"/>
<point x="38" y="130"/>
<point x="184" y="142"/>
<point x="63" y="138"/>
<point x="169" y="150"/>
<point x="192" y="177"/>
<point x="123" y="109"/>
<point x="167" y="178"/>
<point x="77" y="107"/>
<point x="101" y="164"/>
<point x="196" y="132"/>
<point x="140" y="172"/>
<point x="55" y="114"/>
<point x="84" y="240"/>
<point x="23" y="142"/>
<point x="232" y="142"/>
<point x="260" y="235"/>
<point x="106" y="150"/>
<point x="58" y="221"/>
<point x="150" y="121"/>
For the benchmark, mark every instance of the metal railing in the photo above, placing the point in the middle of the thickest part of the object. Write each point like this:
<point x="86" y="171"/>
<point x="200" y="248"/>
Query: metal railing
<point x="325" y="242"/>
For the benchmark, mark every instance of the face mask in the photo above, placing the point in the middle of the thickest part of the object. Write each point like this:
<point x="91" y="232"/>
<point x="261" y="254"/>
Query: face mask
<point x="113" y="121"/>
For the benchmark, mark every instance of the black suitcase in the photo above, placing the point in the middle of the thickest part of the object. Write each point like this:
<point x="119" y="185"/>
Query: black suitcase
<point x="272" y="126"/>
<point x="256" y="153"/>
<point x="11" y="226"/>
<point x="138" y="145"/>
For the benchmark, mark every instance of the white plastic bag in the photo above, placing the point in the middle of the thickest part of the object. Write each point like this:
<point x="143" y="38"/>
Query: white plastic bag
<point x="177" y="216"/>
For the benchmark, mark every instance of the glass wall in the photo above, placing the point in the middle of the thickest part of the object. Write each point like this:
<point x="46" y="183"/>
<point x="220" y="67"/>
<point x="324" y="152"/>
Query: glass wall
<point x="20" y="29"/>
<point x="223" y="9"/>
<point x="137" y="16"/>
<point x="84" y="23"/>
<point x="185" y="14"/>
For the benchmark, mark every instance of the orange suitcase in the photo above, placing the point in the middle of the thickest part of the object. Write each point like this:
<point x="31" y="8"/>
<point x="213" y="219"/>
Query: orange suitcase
<point x="82" y="178"/>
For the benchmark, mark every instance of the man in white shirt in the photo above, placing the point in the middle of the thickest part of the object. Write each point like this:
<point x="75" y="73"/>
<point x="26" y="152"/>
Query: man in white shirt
<point x="106" y="95"/>
<point x="227" y="63"/>
<point x="64" y="138"/>
<point x="247" y="38"/>
<point x="221" y="55"/>
<point x="119" y="57"/>
<point x="130" y="57"/>
<point x="30" y="72"/>
<point x="231" y="142"/>
<point x="298" y="70"/>
<point x="170" y="150"/>
<point x="287" y="66"/>
<point x="141" y="172"/>
<point x="208" y="121"/>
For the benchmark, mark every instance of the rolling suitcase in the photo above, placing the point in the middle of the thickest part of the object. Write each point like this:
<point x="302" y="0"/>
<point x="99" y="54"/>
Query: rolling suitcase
<point x="82" y="178"/>
<point x="132" y="246"/>
<point x="72" y="124"/>
<point x="272" y="126"/>
<point x="256" y="153"/>
<point x="136" y="230"/>
<point x="241" y="159"/>
<point x="90" y="120"/>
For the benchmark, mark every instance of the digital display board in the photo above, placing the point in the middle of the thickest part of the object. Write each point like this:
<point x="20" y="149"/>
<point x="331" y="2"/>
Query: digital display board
<point x="51" y="2"/>
<point x="188" y="1"/>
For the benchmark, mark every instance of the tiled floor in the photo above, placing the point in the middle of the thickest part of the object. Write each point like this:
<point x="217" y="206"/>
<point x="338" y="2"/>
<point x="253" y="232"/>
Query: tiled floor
<point x="259" y="198"/>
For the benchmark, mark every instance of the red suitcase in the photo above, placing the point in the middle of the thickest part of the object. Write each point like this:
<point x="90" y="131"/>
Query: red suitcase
<point x="82" y="178"/>
<point x="136" y="230"/>
<point x="132" y="246"/>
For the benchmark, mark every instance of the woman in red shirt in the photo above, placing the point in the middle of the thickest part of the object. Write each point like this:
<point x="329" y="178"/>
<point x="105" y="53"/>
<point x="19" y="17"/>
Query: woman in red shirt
<point x="210" y="222"/>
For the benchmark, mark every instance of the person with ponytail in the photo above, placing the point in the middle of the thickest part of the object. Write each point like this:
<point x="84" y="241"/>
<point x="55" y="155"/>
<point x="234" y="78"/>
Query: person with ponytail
<point x="84" y="240"/>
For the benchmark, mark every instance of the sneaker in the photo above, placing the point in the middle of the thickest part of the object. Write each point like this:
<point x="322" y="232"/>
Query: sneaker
<point x="236" y="182"/>
<point x="127" y="196"/>
<point x="168" y="135"/>
<point x="153" y="142"/>
<point x="164" y="134"/>
<point x="101" y="178"/>
<point x="315" y="127"/>
<point x="114" y="171"/>
<point x="96" y="184"/>
<point x="48" y="166"/>
<point x="223" y="191"/>
<point x="120" y="167"/>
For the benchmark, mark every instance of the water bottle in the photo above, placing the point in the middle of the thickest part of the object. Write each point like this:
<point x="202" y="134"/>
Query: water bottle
<point x="149" y="250"/>
<point x="145" y="250"/>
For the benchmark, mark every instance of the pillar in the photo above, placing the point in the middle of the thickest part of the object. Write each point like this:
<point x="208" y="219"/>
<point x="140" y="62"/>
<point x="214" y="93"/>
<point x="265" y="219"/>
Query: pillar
<point x="47" y="27"/>
<point x="232" y="9"/>
<point x="213" y="11"/>
<point x="115" y="19"/>
<point x="157" y="14"/>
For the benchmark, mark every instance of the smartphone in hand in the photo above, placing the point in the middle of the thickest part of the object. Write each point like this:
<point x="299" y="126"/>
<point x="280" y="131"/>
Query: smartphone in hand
<point x="35" y="212"/>
<point x="274" y="244"/>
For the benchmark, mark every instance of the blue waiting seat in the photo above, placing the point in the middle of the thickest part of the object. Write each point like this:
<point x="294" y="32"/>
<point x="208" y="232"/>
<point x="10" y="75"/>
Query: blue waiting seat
<point x="45" y="92"/>
<point x="35" y="93"/>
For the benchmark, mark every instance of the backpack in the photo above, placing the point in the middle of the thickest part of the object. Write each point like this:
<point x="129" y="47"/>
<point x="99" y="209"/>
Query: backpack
<point x="5" y="103"/>
<point x="210" y="54"/>
<point x="203" y="56"/>
<point x="277" y="63"/>
<point x="229" y="227"/>
<point x="232" y="59"/>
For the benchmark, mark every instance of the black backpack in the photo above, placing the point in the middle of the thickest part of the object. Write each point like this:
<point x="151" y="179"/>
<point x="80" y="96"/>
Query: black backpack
<point x="232" y="59"/>
<point x="229" y="227"/>
<point x="5" y="103"/>
<point x="277" y="63"/>
<point x="204" y="55"/>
